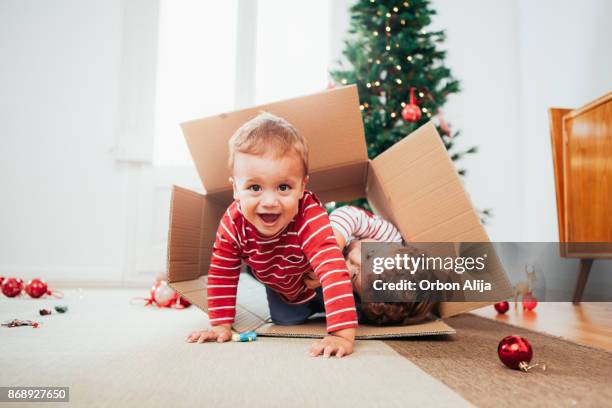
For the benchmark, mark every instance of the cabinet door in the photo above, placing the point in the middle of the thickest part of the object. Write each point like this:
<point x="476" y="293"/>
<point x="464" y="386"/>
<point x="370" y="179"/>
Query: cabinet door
<point x="587" y="156"/>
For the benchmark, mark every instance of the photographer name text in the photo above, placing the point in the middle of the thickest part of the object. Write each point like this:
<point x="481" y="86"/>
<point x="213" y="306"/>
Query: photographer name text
<point x="475" y="285"/>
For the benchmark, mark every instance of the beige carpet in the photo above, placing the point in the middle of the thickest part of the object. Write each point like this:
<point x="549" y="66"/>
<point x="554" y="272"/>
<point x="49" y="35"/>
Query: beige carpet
<point x="468" y="363"/>
<point x="111" y="353"/>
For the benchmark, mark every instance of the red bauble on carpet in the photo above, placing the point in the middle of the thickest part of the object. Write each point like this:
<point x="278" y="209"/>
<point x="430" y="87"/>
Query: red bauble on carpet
<point x="515" y="352"/>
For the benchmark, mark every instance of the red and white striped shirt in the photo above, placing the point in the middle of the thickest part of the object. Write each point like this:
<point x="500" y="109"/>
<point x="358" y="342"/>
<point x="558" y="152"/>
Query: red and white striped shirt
<point x="356" y="223"/>
<point x="281" y="263"/>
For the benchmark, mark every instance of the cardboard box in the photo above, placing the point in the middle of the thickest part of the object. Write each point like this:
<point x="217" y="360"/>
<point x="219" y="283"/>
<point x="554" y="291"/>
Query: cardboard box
<point x="413" y="184"/>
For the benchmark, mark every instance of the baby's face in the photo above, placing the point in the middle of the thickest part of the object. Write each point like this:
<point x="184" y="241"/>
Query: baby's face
<point x="269" y="189"/>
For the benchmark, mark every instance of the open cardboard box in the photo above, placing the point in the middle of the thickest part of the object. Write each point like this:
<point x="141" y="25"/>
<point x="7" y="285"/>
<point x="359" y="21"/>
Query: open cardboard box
<point x="413" y="184"/>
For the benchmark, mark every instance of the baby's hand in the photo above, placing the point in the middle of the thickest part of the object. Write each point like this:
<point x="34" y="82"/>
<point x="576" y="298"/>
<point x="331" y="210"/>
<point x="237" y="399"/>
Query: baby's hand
<point x="219" y="333"/>
<point x="331" y="345"/>
<point x="311" y="280"/>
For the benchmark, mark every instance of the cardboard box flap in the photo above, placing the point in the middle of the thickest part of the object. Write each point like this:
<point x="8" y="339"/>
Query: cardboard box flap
<point x="193" y="290"/>
<point x="378" y="198"/>
<point x="344" y="183"/>
<point x="193" y="224"/>
<point x="415" y="185"/>
<point x="329" y="120"/>
<point x="420" y="184"/>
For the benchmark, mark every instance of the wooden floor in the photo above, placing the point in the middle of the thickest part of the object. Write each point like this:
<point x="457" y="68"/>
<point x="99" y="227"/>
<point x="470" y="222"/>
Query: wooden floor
<point x="587" y="323"/>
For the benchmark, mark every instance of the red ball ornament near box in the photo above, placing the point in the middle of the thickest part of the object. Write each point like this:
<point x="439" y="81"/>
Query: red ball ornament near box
<point x="162" y="295"/>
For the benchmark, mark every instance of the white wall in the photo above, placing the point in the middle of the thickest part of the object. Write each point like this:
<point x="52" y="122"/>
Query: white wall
<point x="482" y="52"/>
<point x="63" y="200"/>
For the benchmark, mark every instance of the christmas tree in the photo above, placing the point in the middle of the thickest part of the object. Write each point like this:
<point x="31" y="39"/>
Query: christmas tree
<point x="399" y="70"/>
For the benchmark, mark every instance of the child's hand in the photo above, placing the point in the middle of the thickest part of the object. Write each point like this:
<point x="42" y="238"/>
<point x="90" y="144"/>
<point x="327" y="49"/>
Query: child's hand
<point x="311" y="281"/>
<point x="334" y="344"/>
<point x="219" y="333"/>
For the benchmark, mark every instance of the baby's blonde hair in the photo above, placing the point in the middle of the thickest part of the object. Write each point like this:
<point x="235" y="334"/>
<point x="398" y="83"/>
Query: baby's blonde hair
<point x="267" y="133"/>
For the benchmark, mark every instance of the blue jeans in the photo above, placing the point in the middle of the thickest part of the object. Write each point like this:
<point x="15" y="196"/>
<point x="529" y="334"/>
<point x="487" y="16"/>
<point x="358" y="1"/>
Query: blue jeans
<point x="285" y="314"/>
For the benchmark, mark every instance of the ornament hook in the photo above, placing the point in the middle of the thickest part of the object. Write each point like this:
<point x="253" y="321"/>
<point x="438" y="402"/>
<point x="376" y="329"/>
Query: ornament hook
<point x="525" y="366"/>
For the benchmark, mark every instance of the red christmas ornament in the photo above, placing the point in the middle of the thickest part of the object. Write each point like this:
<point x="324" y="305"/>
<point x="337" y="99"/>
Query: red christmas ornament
<point x="36" y="288"/>
<point x="411" y="112"/>
<point x="515" y="352"/>
<point x="162" y="295"/>
<point x="12" y="287"/>
<point x="1" y="280"/>
<point x="529" y="301"/>
<point x="502" y="307"/>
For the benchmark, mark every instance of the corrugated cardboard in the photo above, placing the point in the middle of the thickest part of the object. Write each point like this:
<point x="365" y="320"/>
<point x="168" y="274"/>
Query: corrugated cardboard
<point x="413" y="184"/>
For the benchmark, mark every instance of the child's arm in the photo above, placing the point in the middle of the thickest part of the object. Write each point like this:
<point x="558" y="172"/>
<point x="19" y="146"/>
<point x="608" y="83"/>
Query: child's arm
<point x="350" y="223"/>
<point x="222" y="285"/>
<point x="320" y="247"/>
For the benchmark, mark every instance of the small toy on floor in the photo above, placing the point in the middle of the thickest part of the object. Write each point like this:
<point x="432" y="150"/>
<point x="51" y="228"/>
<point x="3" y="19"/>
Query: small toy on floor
<point x="61" y="309"/>
<point x="58" y="309"/>
<point x="246" y="336"/>
<point x="17" y="323"/>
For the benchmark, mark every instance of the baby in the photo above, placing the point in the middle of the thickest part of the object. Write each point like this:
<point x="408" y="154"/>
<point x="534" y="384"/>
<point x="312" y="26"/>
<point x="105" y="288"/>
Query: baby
<point x="282" y="232"/>
<point x="352" y="226"/>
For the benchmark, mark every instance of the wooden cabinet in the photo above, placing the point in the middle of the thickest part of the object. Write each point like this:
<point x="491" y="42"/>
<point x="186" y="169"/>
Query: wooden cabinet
<point x="582" y="158"/>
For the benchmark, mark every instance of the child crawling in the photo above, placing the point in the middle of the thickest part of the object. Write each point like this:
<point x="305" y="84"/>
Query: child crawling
<point x="281" y="231"/>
